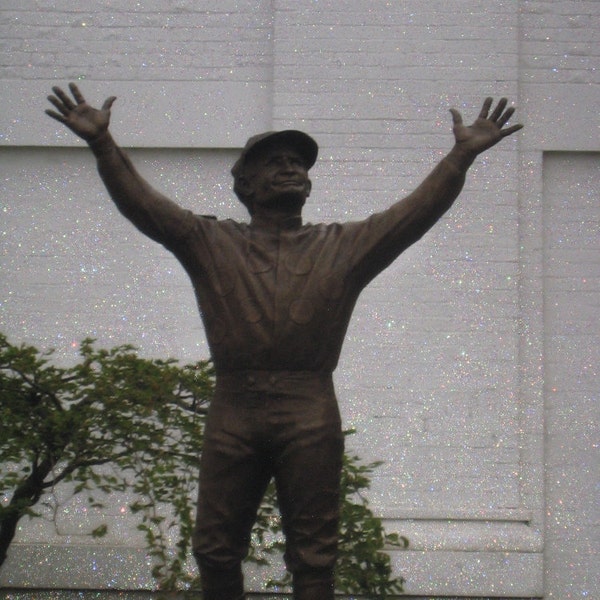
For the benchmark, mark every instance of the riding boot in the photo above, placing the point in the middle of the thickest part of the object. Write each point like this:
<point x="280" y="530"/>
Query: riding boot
<point x="220" y="584"/>
<point x="310" y="589"/>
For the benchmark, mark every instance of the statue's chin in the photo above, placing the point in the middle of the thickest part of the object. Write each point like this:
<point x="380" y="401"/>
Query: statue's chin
<point x="286" y="202"/>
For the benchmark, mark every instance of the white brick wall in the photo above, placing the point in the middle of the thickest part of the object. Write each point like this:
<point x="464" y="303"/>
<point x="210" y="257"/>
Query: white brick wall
<point x="442" y="373"/>
<point x="559" y="42"/>
<point x="572" y="355"/>
<point x="149" y="41"/>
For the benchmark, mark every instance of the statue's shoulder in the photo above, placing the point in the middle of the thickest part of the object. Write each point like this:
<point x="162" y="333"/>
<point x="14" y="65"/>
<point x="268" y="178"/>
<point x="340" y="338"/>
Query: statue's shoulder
<point x="213" y="227"/>
<point x="224" y="223"/>
<point x="229" y="227"/>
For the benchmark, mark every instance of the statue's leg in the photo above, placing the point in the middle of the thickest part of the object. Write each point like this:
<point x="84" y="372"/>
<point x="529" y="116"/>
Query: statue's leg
<point x="233" y="479"/>
<point x="307" y="474"/>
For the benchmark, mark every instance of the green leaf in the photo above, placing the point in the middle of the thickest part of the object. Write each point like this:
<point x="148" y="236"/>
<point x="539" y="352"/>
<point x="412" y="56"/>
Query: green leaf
<point x="100" y="531"/>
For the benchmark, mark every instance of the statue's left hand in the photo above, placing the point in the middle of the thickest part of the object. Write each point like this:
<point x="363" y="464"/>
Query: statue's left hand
<point x="487" y="130"/>
<point x="87" y="122"/>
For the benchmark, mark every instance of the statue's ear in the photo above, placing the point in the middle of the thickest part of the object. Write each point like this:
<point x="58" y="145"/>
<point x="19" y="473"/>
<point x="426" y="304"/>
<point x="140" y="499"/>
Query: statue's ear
<point x="308" y="187"/>
<point x="244" y="186"/>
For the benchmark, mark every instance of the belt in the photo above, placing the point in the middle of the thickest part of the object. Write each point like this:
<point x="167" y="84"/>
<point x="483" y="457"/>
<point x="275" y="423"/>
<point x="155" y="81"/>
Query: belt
<point x="264" y="381"/>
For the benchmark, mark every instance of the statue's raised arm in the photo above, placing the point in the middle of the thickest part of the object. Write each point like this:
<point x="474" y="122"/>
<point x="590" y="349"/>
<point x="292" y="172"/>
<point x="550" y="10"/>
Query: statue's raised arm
<point x="410" y="217"/>
<point x="150" y="211"/>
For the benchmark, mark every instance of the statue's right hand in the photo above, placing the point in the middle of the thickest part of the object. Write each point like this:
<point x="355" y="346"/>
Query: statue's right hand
<point x="87" y="122"/>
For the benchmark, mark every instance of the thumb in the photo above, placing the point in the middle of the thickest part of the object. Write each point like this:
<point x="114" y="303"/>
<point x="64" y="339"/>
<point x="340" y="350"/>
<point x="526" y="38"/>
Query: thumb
<point x="108" y="103"/>
<point x="456" y="117"/>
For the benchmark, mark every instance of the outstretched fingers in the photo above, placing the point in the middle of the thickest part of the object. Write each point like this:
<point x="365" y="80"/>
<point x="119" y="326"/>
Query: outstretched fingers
<point x="500" y="116"/>
<point x="76" y="93"/>
<point x="63" y="103"/>
<point x="510" y="130"/>
<point x="58" y="117"/>
<point x="485" y="109"/>
<point x="61" y="100"/>
<point x="497" y="113"/>
<point x="504" y="118"/>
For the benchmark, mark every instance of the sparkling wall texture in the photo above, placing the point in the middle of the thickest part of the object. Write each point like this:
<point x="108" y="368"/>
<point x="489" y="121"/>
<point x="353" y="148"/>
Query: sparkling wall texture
<point x="453" y="354"/>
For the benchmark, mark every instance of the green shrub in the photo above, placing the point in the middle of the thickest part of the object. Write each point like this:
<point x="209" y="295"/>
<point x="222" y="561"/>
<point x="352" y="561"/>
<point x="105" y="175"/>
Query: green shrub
<point x="116" y="422"/>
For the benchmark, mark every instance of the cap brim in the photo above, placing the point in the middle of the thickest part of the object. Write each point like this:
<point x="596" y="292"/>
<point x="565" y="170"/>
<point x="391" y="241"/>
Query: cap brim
<point x="302" y="142"/>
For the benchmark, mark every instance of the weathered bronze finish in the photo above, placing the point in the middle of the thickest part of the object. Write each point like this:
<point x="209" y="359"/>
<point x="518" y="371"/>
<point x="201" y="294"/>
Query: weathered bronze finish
<point x="276" y="296"/>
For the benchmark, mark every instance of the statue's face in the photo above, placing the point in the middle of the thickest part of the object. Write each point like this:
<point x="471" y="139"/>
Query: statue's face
<point x="278" y="178"/>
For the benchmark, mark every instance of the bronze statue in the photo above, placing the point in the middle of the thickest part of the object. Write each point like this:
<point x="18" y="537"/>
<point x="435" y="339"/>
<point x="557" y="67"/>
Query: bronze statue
<point x="276" y="297"/>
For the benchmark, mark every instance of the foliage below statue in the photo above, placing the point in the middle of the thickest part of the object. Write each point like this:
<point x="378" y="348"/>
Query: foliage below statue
<point x="116" y="422"/>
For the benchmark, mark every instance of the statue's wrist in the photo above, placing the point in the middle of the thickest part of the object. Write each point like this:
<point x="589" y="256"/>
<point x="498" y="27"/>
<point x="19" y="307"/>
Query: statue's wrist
<point x="101" y="143"/>
<point x="460" y="158"/>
